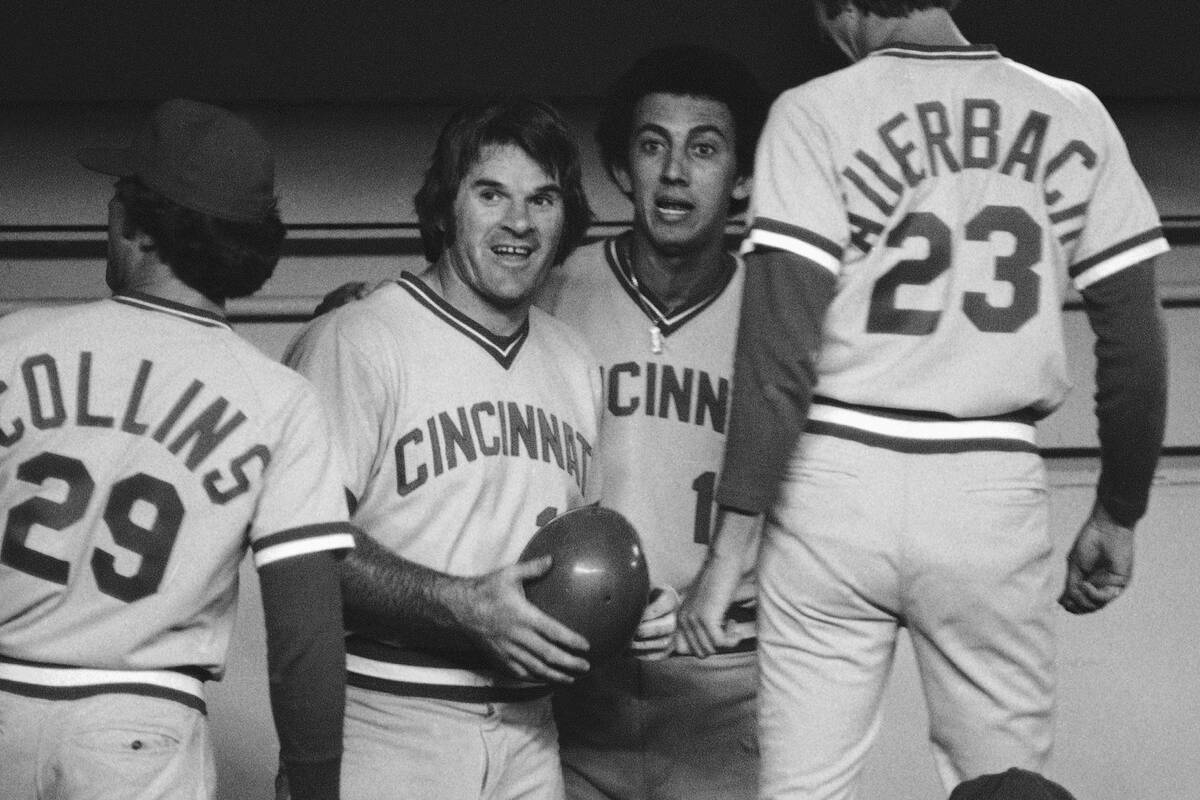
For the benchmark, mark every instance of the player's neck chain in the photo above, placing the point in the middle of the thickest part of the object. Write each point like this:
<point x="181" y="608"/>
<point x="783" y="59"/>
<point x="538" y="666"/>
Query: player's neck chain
<point x="656" y="338"/>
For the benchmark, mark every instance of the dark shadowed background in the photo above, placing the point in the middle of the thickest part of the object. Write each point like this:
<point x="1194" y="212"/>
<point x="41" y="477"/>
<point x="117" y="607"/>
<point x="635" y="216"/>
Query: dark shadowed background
<point x="438" y="50"/>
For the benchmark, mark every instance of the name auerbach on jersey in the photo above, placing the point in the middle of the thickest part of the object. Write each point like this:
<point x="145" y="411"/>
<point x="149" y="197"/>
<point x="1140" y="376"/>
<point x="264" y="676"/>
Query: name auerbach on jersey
<point x="971" y="139"/>
<point x="191" y="434"/>
<point x="489" y="429"/>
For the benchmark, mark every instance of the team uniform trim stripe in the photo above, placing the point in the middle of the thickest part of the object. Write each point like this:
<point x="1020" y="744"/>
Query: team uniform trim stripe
<point x="502" y="348"/>
<point x="913" y="435"/>
<point x="971" y="52"/>
<point x="301" y="532"/>
<point x="806" y="244"/>
<point x="800" y="234"/>
<point x="148" y="303"/>
<point x="460" y="694"/>
<point x="918" y="446"/>
<point x="364" y="646"/>
<point x="71" y="683"/>
<point x="648" y="303"/>
<point x="1075" y="270"/>
<point x="441" y="682"/>
<point x="1025" y="416"/>
<point x="301" y="540"/>
<point x="302" y="547"/>
<point x="1109" y="262"/>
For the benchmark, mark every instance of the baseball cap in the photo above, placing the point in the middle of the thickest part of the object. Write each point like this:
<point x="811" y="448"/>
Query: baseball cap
<point x="1012" y="784"/>
<point x="199" y="156"/>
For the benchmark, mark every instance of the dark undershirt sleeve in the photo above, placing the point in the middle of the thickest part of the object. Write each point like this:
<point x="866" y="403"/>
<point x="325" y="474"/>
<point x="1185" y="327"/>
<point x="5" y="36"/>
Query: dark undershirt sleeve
<point x="306" y="664"/>
<point x="779" y="334"/>
<point x="1131" y="386"/>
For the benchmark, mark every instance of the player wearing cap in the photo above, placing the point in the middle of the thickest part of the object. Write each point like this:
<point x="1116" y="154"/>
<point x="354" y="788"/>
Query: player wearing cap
<point x="916" y="220"/>
<point x="658" y="306"/>
<point x="467" y="419"/>
<point x="144" y="449"/>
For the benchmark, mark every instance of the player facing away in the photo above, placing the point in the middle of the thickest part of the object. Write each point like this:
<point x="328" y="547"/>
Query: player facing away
<point x="467" y="419"/>
<point x="658" y="306"/>
<point x="144" y="449"/>
<point x="917" y="219"/>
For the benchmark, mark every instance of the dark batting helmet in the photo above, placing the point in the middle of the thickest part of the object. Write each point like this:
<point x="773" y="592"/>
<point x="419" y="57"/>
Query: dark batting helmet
<point x="598" y="585"/>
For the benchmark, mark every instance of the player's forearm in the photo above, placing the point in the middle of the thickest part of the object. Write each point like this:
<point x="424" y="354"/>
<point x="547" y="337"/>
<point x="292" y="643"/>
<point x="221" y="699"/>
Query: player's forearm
<point x="735" y="535"/>
<point x="774" y="373"/>
<point x="401" y="599"/>
<point x="306" y="669"/>
<point x="1131" y="387"/>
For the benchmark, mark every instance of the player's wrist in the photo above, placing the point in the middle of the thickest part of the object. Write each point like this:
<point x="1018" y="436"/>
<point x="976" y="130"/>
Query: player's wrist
<point x="461" y="598"/>
<point x="1107" y="522"/>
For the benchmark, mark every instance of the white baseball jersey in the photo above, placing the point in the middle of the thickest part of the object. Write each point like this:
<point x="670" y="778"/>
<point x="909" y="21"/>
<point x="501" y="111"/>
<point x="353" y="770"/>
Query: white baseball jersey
<point x="953" y="194"/>
<point x="952" y="209"/>
<point x="665" y="413"/>
<point x="459" y="444"/>
<point x="661" y="442"/>
<point x="144" y="447"/>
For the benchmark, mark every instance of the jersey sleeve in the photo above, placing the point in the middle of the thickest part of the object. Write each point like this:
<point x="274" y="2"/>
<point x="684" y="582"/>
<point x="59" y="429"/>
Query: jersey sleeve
<point x="783" y="306"/>
<point x="306" y="658"/>
<point x="1131" y="387"/>
<point x="794" y="250"/>
<point x="1113" y="225"/>
<point x="302" y="508"/>
<point x="796" y="204"/>
<point x="350" y="389"/>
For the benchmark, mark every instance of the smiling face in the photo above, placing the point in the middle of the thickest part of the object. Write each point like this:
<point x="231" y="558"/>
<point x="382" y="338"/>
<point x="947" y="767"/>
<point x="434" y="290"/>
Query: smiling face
<point x="508" y="221"/>
<point x="682" y="171"/>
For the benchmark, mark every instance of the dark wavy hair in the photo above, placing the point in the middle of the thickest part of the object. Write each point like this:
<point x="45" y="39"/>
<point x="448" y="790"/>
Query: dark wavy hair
<point x="884" y="8"/>
<point x="219" y="258"/>
<point x="533" y="125"/>
<point x="692" y="71"/>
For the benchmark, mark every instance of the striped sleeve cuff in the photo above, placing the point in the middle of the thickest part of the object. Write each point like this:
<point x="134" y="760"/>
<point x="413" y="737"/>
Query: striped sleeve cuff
<point x="1116" y="258"/>
<point x="804" y="243"/>
<point x="301" y="541"/>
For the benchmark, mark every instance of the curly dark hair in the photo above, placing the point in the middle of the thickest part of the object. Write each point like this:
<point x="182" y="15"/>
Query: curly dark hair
<point x="219" y="258"/>
<point x="883" y="8"/>
<point x="692" y="71"/>
<point x="532" y="125"/>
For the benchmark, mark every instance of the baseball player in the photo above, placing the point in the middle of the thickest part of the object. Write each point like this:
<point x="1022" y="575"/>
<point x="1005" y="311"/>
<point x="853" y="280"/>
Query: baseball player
<point x="917" y="219"/>
<point x="144" y="449"/>
<point x="467" y="419"/>
<point x="658" y="306"/>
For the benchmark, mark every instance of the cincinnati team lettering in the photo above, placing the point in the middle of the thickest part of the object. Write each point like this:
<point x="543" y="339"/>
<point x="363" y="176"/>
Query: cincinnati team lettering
<point x="487" y="430"/>
<point x="192" y="429"/>
<point x="934" y="139"/>
<point x="660" y="390"/>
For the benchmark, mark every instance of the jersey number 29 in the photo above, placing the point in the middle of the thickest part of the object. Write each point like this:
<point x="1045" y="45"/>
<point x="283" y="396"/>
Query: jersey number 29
<point x="153" y="544"/>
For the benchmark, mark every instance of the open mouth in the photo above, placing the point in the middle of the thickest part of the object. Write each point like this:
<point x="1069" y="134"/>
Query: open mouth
<point x="669" y="207"/>
<point x="512" y="250"/>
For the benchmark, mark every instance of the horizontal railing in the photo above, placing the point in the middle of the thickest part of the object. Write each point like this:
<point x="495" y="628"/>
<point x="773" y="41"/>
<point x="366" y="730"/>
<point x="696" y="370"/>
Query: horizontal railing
<point x="361" y="240"/>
